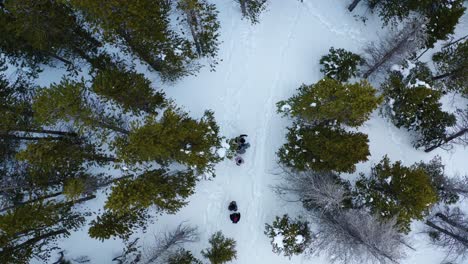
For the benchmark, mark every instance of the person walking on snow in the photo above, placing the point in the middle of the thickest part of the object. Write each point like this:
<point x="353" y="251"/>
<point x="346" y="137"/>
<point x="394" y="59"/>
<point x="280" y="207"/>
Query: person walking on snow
<point x="242" y="144"/>
<point x="233" y="206"/>
<point x="235" y="217"/>
<point x="239" y="160"/>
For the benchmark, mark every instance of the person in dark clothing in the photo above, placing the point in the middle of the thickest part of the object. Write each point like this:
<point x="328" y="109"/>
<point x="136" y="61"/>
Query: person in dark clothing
<point x="242" y="144"/>
<point x="239" y="160"/>
<point x="235" y="217"/>
<point x="233" y="206"/>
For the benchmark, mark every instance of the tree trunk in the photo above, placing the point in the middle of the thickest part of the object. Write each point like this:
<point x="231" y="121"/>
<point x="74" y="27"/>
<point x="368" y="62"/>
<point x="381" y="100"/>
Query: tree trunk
<point x="53" y="132"/>
<point x="34" y="240"/>
<point x="100" y="158"/>
<point x="452" y="223"/>
<point x="447" y="74"/>
<point x="463" y="240"/>
<point x="243" y="7"/>
<point x="14" y="137"/>
<point x="55" y="56"/>
<point x="454" y="42"/>
<point x="44" y="131"/>
<point x="447" y="139"/>
<point x="387" y="56"/>
<point x="192" y="21"/>
<point x="31" y="201"/>
<point x="353" y="5"/>
<point x="111" y="127"/>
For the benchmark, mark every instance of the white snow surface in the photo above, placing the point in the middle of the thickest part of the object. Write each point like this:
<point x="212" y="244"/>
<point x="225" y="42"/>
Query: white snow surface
<point x="260" y="65"/>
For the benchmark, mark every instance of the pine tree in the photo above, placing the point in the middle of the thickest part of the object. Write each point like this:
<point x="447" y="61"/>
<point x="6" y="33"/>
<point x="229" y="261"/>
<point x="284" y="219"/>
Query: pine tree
<point x="166" y="191"/>
<point x="145" y="29"/>
<point x="452" y="67"/>
<point x="442" y="16"/>
<point x="201" y="18"/>
<point x="251" y="9"/>
<point x="289" y="237"/>
<point x="111" y="224"/>
<point x="41" y="31"/>
<point x="393" y="190"/>
<point x="74" y="188"/>
<point x="131" y="90"/>
<point x="445" y="186"/>
<point x="175" y="137"/>
<point x="19" y="122"/>
<point x="31" y="230"/>
<point x="416" y="108"/>
<point x="127" y="206"/>
<point x="323" y="148"/>
<point x="340" y="64"/>
<point x="330" y="101"/>
<point x="222" y="249"/>
<point x="68" y="101"/>
<point x="183" y="256"/>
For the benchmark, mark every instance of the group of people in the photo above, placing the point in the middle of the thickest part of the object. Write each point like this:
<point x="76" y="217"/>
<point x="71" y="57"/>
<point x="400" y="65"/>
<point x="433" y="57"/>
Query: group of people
<point x="234" y="216"/>
<point x="242" y="146"/>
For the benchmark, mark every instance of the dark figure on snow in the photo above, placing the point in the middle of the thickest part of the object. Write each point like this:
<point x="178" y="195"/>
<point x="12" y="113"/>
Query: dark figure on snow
<point x="239" y="160"/>
<point x="233" y="206"/>
<point x="242" y="144"/>
<point x="235" y="217"/>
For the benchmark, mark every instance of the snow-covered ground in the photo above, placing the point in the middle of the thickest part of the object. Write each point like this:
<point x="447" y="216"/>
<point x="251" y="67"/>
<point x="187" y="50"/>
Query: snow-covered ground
<point x="260" y="65"/>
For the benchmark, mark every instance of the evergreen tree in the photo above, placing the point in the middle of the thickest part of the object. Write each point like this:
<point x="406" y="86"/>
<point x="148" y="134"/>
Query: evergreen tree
<point x="127" y="206"/>
<point x="452" y="67"/>
<point x="183" y="256"/>
<point x="131" y="90"/>
<point x="442" y="16"/>
<point x="393" y="190"/>
<point x="69" y="101"/>
<point x="201" y="18"/>
<point x="74" y="188"/>
<point x="330" y="101"/>
<point x="251" y="9"/>
<point x="445" y="186"/>
<point x="122" y="225"/>
<point x="61" y="102"/>
<point x="61" y="160"/>
<point x="152" y="188"/>
<point x="31" y="230"/>
<point x="289" y="237"/>
<point x="40" y="31"/>
<point x="145" y="29"/>
<point x="416" y="108"/>
<point x="323" y="148"/>
<point x="340" y="64"/>
<point x="19" y="122"/>
<point x="175" y="137"/>
<point x="222" y="249"/>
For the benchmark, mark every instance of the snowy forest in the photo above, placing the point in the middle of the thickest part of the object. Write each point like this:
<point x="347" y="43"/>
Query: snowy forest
<point x="233" y="131"/>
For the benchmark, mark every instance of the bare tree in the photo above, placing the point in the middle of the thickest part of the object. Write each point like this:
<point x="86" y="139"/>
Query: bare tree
<point x="170" y="240"/>
<point x="395" y="48"/>
<point x="161" y="249"/>
<point x="458" y="133"/>
<point x="316" y="190"/>
<point x="130" y="254"/>
<point x="448" y="229"/>
<point x="345" y="234"/>
<point x="449" y="188"/>
<point x="355" y="236"/>
<point x="353" y="5"/>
